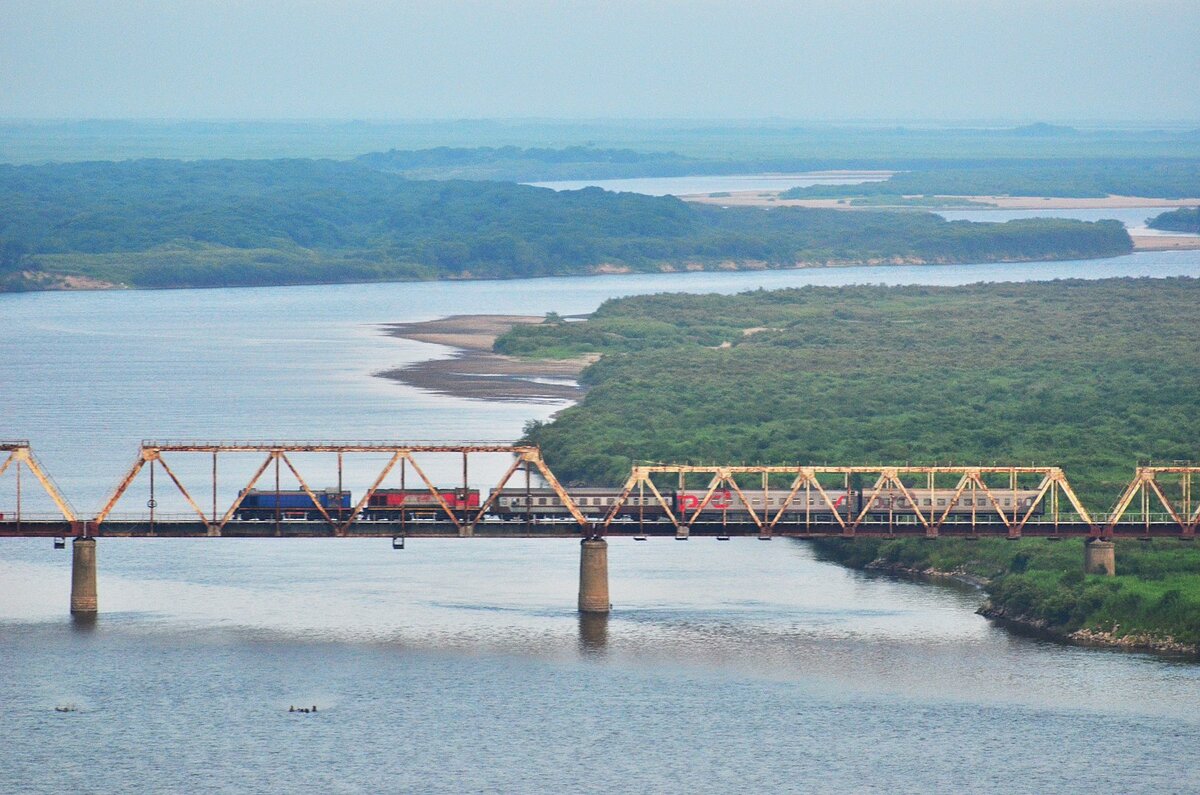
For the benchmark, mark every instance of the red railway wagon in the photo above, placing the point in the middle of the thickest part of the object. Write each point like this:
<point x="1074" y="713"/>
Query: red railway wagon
<point x="423" y="500"/>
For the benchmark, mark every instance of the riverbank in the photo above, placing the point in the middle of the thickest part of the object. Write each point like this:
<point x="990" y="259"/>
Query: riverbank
<point x="1038" y="587"/>
<point x="474" y="371"/>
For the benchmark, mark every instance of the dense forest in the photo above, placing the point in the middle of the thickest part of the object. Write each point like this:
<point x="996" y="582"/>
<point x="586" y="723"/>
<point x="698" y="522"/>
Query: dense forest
<point x="1181" y="220"/>
<point x="159" y="223"/>
<point x="1093" y="376"/>
<point x="1167" y="178"/>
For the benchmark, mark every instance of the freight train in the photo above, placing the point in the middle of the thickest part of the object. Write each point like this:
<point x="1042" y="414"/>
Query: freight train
<point x="725" y="505"/>
<point x="384" y="504"/>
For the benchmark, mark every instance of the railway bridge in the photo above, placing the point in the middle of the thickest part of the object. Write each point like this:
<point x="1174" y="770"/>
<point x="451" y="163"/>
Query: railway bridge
<point x="796" y="501"/>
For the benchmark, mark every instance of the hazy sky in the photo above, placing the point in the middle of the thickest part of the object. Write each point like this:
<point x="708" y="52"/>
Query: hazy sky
<point x="920" y="59"/>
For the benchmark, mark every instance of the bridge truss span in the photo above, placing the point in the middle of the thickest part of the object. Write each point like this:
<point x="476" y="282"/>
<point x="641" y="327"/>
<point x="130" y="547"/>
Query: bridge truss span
<point x="297" y="488"/>
<point x="401" y="459"/>
<point x="1168" y="487"/>
<point x="813" y="500"/>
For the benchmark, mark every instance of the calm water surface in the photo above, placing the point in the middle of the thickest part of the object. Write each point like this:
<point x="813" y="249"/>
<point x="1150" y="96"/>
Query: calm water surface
<point x="1134" y="218"/>
<point x="461" y="665"/>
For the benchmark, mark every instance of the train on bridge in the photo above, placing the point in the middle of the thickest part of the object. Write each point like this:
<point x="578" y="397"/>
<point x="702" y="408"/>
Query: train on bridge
<point x="546" y="505"/>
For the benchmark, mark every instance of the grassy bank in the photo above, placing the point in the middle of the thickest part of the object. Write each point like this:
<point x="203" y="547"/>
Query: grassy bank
<point x="1153" y="602"/>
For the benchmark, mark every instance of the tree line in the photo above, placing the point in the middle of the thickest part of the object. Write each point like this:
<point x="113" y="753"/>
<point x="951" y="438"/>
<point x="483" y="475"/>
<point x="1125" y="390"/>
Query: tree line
<point x="228" y="222"/>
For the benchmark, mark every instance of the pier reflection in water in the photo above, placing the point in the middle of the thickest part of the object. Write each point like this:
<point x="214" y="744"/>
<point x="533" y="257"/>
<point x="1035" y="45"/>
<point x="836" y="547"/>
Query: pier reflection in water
<point x="593" y="632"/>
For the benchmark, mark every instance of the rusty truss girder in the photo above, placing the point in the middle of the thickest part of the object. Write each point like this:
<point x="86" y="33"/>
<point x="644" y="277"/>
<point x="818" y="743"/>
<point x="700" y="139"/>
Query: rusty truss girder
<point x="1146" y="489"/>
<point x="1160" y="501"/>
<point x="20" y="456"/>
<point x="401" y="455"/>
<point x="1052" y="487"/>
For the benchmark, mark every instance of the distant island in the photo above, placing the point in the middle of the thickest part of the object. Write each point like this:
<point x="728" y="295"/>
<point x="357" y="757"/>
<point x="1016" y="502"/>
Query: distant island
<point x="1181" y="220"/>
<point x="1164" y="178"/>
<point x="171" y="223"/>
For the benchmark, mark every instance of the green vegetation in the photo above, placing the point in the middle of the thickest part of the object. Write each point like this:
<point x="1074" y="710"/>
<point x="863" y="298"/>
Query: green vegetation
<point x="1181" y="220"/>
<point x="1093" y="376"/>
<point x="1156" y="593"/>
<point x="1160" y="178"/>
<point x="154" y="223"/>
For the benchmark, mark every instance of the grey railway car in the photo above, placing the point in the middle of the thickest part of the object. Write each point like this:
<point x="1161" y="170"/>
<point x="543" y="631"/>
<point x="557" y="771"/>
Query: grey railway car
<point x="889" y="502"/>
<point x="545" y="503"/>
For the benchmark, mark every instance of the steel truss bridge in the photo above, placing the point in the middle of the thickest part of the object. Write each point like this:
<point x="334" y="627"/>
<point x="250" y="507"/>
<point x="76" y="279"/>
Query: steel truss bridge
<point x="1158" y="501"/>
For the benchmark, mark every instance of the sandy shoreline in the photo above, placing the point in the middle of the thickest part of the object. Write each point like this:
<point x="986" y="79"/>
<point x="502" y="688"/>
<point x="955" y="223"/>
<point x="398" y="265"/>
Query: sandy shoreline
<point x="769" y="198"/>
<point x="475" y="372"/>
<point x="1165" y="242"/>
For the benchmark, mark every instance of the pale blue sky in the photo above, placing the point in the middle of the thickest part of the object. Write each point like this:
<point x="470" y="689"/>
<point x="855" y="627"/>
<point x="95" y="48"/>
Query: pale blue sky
<point x="922" y="59"/>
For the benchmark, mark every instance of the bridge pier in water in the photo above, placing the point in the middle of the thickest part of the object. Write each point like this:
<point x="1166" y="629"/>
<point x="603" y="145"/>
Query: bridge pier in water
<point x="593" y="576"/>
<point x="83" y="577"/>
<point x="1099" y="557"/>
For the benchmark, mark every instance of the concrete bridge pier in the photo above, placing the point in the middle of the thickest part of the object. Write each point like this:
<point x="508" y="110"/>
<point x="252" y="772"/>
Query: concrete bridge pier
<point x="83" y="577"/>
<point x="593" y="576"/>
<point x="1099" y="557"/>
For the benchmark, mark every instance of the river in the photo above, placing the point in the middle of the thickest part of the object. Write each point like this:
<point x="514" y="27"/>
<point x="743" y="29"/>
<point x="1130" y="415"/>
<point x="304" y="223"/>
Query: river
<point x="461" y="665"/>
<point x="1134" y="218"/>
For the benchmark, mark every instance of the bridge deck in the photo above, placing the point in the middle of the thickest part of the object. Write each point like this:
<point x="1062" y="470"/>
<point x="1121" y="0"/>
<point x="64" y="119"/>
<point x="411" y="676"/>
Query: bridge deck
<point x="521" y="529"/>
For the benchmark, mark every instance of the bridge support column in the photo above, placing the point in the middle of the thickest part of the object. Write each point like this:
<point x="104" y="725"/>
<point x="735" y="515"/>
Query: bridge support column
<point x="593" y="576"/>
<point x="1100" y="557"/>
<point x="83" y="577"/>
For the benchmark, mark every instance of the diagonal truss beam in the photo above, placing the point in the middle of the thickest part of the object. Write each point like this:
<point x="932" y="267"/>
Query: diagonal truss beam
<point x="533" y="455"/>
<point x="1145" y="483"/>
<point x="258" y="473"/>
<point x="397" y="456"/>
<point x="207" y="525"/>
<point x="315" y="501"/>
<point x="22" y="455"/>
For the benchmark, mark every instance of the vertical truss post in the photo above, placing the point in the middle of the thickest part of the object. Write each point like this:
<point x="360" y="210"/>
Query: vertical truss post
<point x="214" y="493"/>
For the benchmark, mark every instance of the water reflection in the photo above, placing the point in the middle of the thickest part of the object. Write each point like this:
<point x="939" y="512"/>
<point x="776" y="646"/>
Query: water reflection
<point x="84" y="623"/>
<point x="593" y="632"/>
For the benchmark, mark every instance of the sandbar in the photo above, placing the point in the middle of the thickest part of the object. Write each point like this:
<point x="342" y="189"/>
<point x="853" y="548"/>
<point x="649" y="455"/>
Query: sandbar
<point x="474" y="371"/>
<point x="1165" y="242"/>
